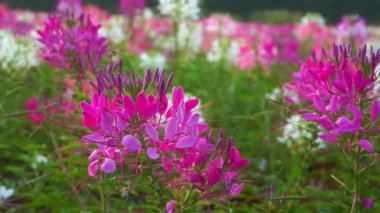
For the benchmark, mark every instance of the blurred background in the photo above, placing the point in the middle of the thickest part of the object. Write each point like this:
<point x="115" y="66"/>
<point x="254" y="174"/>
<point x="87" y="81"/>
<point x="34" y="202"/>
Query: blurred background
<point x="270" y="11"/>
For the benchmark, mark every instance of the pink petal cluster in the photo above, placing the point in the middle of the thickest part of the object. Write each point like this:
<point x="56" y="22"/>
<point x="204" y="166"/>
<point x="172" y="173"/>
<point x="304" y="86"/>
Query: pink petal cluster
<point x="352" y="29"/>
<point x="341" y="94"/>
<point x="72" y="42"/>
<point x="34" y="115"/>
<point x="39" y="110"/>
<point x="133" y="129"/>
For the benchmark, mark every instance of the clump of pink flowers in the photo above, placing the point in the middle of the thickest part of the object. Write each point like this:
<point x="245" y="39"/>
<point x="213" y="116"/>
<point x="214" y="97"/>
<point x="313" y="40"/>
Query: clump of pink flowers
<point x="341" y="94"/>
<point x="134" y="127"/>
<point x="39" y="110"/>
<point x="70" y="42"/>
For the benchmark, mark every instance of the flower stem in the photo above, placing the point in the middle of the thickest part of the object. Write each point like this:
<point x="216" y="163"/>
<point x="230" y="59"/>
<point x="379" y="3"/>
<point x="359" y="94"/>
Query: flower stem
<point x="102" y="195"/>
<point x="356" y="187"/>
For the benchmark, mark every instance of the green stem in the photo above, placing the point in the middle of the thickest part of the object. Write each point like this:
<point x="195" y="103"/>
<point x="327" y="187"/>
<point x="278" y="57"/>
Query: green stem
<point x="356" y="187"/>
<point x="102" y="195"/>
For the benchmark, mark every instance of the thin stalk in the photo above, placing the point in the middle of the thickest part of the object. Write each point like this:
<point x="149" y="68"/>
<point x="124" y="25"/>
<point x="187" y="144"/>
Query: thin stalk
<point x="103" y="199"/>
<point x="356" y="186"/>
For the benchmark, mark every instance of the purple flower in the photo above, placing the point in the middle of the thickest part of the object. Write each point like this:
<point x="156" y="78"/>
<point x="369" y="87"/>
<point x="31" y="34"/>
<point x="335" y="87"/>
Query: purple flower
<point x="368" y="203"/>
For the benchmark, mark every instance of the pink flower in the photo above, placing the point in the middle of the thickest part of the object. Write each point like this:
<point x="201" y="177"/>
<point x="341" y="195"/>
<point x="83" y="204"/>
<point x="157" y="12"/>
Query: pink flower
<point x="366" y="145"/>
<point x="247" y="58"/>
<point x="339" y="94"/>
<point x="170" y="206"/>
<point x="34" y="115"/>
<point x="64" y="44"/>
<point x="368" y="203"/>
<point x="132" y="123"/>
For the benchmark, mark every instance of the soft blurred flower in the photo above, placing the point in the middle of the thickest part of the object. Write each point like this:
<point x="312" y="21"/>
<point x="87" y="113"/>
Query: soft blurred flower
<point x="39" y="160"/>
<point x="17" y="53"/>
<point x="368" y="203"/>
<point x="152" y="61"/>
<point x="180" y="9"/>
<point x="5" y="193"/>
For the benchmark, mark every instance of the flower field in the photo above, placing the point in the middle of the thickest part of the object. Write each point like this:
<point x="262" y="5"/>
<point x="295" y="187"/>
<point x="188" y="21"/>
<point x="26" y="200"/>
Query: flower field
<point x="166" y="109"/>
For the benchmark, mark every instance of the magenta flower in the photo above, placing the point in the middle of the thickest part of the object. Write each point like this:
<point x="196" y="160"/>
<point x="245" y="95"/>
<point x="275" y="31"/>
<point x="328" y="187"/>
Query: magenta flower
<point x="170" y="206"/>
<point x="341" y="95"/>
<point x="366" y="145"/>
<point x="34" y="115"/>
<point x="368" y="203"/>
<point x="66" y="46"/>
<point x="132" y="122"/>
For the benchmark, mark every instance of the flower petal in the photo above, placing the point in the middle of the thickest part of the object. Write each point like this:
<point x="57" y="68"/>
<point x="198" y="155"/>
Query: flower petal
<point x="185" y="142"/>
<point x="94" y="138"/>
<point x="92" y="168"/>
<point x="171" y="129"/>
<point x="366" y="145"/>
<point x="152" y="153"/>
<point x="131" y="143"/>
<point x="108" y="166"/>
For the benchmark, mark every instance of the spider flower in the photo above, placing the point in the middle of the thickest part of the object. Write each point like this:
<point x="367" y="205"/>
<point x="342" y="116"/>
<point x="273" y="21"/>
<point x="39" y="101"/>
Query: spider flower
<point x="340" y="94"/>
<point x="134" y="125"/>
<point x="71" y="42"/>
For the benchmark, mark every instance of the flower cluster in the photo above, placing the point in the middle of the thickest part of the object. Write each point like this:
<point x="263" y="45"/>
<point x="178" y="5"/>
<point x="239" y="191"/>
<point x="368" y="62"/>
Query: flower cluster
<point x="352" y="29"/>
<point x="136" y="127"/>
<point x="69" y="42"/>
<point x="38" y="110"/>
<point x="298" y="134"/>
<point x="181" y="9"/>
<point x="341" y="94"/>
<point x="17" y="52"/>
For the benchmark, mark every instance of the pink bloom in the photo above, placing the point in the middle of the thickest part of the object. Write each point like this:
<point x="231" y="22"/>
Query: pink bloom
<point x="366" y="145"/>
<point x="247" y="59"/>
<point x="63" y="44"/>
<point x="368" y="203"/>
<point x="135" y="127"/>
<point x="170" y="206"/>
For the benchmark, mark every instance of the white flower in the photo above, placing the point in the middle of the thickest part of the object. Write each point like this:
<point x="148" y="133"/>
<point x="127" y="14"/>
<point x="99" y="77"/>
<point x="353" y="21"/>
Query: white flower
<point x="181" y="9"/>
<point x="233" y="52"/>
<point x="313" y="17"/>
<point x="113" y="30"/>
<point x="189" y="37"/>
<point x="152" y="61"/>
<point x="216" y="53"/>
<point x="18" y="52"/>
<point x="276" y="92"/>
<point x="297" y="131"/>
<point x="263" y="163"/>
<point x="5" y="193"/>
<point x="39" y="159"/>
<point x="148" y="13"/>
<point x="291" y="94"/>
